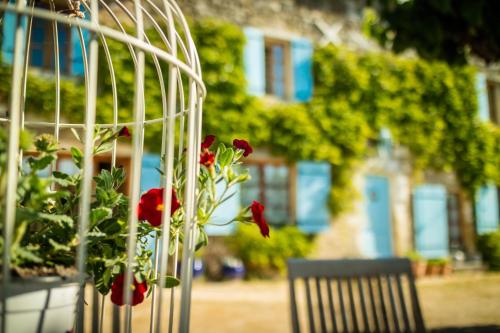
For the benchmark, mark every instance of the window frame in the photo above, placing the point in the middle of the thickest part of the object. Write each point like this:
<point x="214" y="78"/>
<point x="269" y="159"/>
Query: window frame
<point x="47" y="47"/>
<point x="290" y="186"/>
<point x="269" y="42"/>
<point x="493" y="93"/>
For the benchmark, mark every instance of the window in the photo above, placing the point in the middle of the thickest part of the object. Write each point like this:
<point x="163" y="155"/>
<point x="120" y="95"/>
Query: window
<point x="42" y="45"/>
<point x="277" y="68"/>
<point x="270" y="185"/>
<point x="494" y="101"/>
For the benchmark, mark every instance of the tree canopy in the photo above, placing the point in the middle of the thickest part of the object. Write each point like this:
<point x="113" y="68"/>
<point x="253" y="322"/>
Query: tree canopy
<point x="449" y="30"/>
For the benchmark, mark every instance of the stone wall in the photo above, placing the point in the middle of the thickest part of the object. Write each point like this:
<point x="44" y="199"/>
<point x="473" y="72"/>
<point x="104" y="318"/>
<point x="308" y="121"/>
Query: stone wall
<point x="297" y="17"/>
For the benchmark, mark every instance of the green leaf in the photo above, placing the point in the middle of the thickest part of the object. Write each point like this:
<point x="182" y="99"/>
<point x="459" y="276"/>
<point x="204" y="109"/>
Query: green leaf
<point x="226" y="158"/>
<point x="75" y="134"/>
<point x="60" y="219"/>
<point x="99" y="214"/>
<point x="41" y="163"/>
<point x="95" y="235"/>
<point x="171" y="282"/>
<point x="77" y="156"/>
<point x="58" y="246"/>
<point x="202" y="239"/>
<point x="26" y="255"/>
<point x="106" y="277"/>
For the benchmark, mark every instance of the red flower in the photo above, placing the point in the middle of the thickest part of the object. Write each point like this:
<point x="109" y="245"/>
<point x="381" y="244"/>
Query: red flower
<point x="124" y="132"/>
<point x="258" y="216"/>
<point x="207" y="143"/>
<point x="151" y="206"/>
<point x="243" y="145"/>
<point x="207" y="158"/>
<point x="117" y="289"/>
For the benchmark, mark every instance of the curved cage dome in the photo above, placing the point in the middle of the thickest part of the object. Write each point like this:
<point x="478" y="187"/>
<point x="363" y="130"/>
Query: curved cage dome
<point x="74" y="67"/>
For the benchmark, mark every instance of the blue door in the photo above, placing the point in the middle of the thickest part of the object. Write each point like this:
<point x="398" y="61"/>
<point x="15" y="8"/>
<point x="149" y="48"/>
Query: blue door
<point x="430" y="219"/>
<point x="376" y="238"/>
<point x="487" y="209"/>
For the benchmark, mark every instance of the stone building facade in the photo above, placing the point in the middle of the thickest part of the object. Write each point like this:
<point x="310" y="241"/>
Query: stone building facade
<point x="393" y="206"/>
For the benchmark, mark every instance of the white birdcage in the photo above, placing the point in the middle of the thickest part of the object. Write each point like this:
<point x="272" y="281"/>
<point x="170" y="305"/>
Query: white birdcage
<point x="93" y="25"/>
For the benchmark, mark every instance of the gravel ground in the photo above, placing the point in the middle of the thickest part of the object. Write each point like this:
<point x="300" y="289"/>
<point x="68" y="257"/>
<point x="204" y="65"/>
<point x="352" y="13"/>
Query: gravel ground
<point x="460" y="300"/>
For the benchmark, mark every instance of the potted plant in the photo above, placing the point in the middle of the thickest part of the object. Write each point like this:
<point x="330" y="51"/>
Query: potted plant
<point x="445" y="266"/>
<point x="436" y="266"/>
<point x="418" y="264"/>
<point x="46" y="228"/>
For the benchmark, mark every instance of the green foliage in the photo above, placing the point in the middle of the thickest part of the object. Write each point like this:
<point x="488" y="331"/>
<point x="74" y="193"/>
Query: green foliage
<point x="429" y="107"/>
<point x="447" y="30"/>
<point x="47" y="216"/>
<point x="268" y="258"/>
<point x="414" y="256"/>
<point x="228" y="110"/>
<point x="489" y="247"/>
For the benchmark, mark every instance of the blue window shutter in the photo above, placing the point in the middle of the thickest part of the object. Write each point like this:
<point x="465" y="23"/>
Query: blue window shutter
<point x="302" y="53"/>
<point x="377" y="235"/>
<point x="225" y="212"/>
<point x="63" y="37"/>
<point x="313" y="188"/>
<point x="482" y="97"/>
<point x="150" y="176"/>
<point x="487" y="209"/>
<point x="254" y="59"/>
<point x="38" y="33"/>
<point x="430" y="219"/>
<point x="8" y="35"/>
<point x="77" y="65"/>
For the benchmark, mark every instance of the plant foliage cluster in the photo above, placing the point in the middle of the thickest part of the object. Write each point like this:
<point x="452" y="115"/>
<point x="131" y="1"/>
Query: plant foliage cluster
<point x="489" y="247"/>
<point x="268" y="259"/>
<point x="430" y="107"/>
<point x="47" y="216"/>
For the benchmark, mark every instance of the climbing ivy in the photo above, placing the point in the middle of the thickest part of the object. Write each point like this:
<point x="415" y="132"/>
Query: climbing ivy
<point x="429" y="107"/>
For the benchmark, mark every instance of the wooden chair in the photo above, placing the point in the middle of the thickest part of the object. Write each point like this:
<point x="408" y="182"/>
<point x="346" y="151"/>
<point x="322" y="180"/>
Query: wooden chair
<point x="354" y="296"/>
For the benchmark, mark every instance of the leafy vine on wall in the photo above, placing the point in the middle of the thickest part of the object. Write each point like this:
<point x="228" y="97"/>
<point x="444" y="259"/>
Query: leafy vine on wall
<point x="429" y="107"/>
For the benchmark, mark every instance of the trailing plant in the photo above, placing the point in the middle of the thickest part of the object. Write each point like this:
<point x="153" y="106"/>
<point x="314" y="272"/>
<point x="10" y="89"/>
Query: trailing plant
<point x="46" y="228"/>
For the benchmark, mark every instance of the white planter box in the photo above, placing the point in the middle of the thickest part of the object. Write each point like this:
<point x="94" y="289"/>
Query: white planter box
<point x="40" y="306"/>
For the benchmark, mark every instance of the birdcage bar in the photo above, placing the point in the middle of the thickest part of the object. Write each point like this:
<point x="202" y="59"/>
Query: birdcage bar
<point x="174" y="111"/>
<point x="13" y="148"/>
<point x="116" y="35"/>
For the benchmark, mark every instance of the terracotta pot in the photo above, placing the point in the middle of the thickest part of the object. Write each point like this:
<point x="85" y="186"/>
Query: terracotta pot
<point x="433" y="270"/>
<point x="446" y="269"/>
<point x="419" y="268"/>
<point x="40" y="305"/>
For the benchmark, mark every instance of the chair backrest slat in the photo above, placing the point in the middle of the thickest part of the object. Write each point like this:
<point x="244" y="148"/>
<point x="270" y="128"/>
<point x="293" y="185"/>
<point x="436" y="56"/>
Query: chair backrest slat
<point x="364" y="311"/>
<point x="320" y="306"/>
<point x="382" y="303"/>
<point x="394" y="310"/>
<point x="369" y="295"/>
<point x="374" y="306"/>
<point x="293" y="307"/>
<point x="312" y="326"/>
<point x="403" y="304"/>
<point x="355" y="327"/>
<point x="345" y="325"/>
<point x="331" y="305"/>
